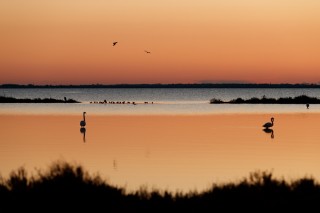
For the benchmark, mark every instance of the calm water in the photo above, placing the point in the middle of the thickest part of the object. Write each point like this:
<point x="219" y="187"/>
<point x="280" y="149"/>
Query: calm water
<point x="181" y="142"/>
<point x="166" y="101"/>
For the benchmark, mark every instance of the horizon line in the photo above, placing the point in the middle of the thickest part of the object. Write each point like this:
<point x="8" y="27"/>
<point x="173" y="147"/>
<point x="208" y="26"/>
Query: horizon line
<point x="168" y="85"/>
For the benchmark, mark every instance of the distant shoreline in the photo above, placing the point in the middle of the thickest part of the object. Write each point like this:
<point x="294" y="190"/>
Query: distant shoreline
<point x="302" y="99"/>
<point x="178" y="86"/>
<point x="4" y="99"/>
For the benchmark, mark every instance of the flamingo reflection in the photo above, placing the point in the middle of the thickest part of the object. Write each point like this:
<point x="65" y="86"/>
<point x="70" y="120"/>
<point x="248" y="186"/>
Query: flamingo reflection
<point x="268" y="131"/>
<point x="83" y="131"/>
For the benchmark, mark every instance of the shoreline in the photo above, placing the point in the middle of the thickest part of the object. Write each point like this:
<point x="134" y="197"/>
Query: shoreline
<point x="94" y="114"/>
<point x="8" y="100"/>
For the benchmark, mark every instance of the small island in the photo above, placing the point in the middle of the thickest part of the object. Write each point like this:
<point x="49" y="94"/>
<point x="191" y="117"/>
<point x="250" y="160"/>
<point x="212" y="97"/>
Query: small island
<point x="4" y="99"/>
<point x="302" y="99"/>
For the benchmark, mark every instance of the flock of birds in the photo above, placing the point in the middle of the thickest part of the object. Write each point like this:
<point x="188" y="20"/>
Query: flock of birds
<point x="114" y="44"/>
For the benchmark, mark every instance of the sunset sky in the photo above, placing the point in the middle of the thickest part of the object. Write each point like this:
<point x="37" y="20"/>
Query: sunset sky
<point x="70" y="41"/>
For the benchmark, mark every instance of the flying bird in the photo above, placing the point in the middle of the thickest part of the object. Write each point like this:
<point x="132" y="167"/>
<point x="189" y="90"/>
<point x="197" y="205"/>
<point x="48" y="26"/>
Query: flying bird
<point x="114" y="43"/>
<point x="147" y="51"/>
<point x="268" y="125"/>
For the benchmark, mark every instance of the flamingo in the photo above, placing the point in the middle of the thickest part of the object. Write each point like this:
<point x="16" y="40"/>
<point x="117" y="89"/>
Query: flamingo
<point x="268" y="124"/>
<point x="83" y="122"/>
<point x="114" y="43"/>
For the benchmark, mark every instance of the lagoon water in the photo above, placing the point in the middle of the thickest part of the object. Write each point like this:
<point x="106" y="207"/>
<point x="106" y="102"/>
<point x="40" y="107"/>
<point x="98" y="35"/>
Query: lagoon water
<point x="181" y="142"/>
<point x="166" y="101"/>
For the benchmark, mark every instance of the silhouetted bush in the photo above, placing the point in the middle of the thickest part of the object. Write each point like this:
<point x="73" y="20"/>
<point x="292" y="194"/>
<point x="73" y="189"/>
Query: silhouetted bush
<point x="68" y="187"/>
<point x="215" y="101"/>
<point x="303" y="99"/>
<point x="4" y="99"/>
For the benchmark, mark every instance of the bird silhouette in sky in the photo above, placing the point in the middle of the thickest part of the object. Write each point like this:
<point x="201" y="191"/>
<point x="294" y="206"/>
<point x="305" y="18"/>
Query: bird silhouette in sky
<point x="147" y="51"/>
<point x="114" y="43"/>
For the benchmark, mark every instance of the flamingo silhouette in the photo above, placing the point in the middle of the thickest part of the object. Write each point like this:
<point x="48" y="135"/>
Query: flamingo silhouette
<point x="268" y="124"/>
<point x="83" y="122"/>
<point x="114" y="43"/>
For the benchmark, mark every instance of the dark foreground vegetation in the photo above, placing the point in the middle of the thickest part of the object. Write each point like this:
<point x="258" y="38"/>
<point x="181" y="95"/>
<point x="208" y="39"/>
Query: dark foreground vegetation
<point x="302" y="99"/>
<point x="4" y="99"/>
<point x="68" y="187"/>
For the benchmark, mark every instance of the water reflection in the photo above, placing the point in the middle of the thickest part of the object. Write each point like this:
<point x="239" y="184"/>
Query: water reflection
<point x="115" y="165"/>
<point x="83" y="131"/>
<point x="268" y="131"/>
<point x="168" y="152"/>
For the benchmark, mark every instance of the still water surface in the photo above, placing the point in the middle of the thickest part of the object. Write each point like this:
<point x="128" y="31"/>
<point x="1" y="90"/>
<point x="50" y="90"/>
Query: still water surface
<point x="166" y="152"/>
<point x="166" y="101"/>
<point x="181" y="142"/>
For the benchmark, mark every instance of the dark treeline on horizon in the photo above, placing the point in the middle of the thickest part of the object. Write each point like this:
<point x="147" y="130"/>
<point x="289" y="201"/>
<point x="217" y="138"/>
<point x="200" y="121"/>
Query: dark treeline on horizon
<point x="205" y="85"/>
<point x="4" y="99"/>
<point x="302" y="99"/>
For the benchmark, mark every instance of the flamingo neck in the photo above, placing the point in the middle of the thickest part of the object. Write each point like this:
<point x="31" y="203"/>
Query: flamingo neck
<point x="84" y="117"/>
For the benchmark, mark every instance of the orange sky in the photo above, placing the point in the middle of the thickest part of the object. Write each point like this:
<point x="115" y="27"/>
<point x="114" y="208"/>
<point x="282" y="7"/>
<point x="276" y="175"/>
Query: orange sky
<point x="70" y="41"/>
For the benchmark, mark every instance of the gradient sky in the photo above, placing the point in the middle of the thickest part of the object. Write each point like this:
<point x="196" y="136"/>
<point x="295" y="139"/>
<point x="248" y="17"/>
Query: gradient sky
<point x="70" y="41"/>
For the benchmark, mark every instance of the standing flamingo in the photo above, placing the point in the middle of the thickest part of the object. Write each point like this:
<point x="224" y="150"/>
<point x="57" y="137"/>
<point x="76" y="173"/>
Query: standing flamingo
<point x="268" y="124"/>
<point x="83" y="122"/>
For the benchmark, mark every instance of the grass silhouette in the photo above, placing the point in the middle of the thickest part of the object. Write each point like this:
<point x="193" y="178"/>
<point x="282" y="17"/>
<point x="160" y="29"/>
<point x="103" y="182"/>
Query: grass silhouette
<point x="302" y="99"/>
<point x="68" y="187"/>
